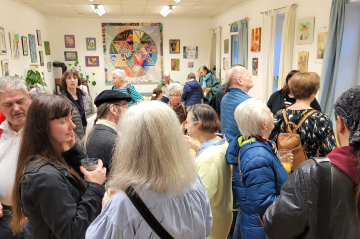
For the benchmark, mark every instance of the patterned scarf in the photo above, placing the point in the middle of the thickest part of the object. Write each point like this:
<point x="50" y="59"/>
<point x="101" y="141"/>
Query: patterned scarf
<point x="205" y="83"/>
<point x="175" y="107"/>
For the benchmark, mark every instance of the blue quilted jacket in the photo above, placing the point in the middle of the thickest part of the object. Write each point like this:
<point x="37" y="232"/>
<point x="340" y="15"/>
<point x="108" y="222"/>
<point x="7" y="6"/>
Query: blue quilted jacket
<point x="261" y="180"/>
<point x="192" y="93"/>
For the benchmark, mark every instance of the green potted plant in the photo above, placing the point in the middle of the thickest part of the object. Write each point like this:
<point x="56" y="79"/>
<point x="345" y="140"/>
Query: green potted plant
<point x="34" y="78"/>
<point x="77" y="67"/>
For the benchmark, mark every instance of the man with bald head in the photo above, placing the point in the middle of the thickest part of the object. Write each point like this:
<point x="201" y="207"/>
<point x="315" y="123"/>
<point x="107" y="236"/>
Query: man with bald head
<point x="238" y="83"/>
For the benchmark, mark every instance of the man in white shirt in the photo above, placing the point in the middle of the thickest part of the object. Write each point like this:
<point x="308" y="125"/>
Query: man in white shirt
<point x="14" y="104"/>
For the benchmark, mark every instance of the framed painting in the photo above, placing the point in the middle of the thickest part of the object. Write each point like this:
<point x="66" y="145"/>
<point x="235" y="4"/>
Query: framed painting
<point x="92" y="61"/>
<point x="2" y="41"/>
<point x="47" y="47"/>
<point x="255" y="39"/>
<point x="174" y="45"/>
<point x="25" y="46"/>
<point x="32" y="46"/>
<point x="226" y="46"/>
<point x="49" y="66"/>
<point x="71" y="55"/>
<point x="305" y="30"/>
<point x="91" y="44"/>
<point x="255" y="66"/>
<point x="190" y="64"/>
<point x="303" y="58"/>
<point x="190" y="52"/>
<point x="225" y="63"/>
<point x="321" y="43"/>
<point x="41" y="55"/>
<point x="5" y="67"/>
<point x="69" y="41"/>
<point x="15" y="45"/>
<point x="38" y="33"/>
<point x="175" y="64"/>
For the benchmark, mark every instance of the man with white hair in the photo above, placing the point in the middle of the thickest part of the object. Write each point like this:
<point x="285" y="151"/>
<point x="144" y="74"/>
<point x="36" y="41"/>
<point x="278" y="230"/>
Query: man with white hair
<point x="166" y="81"/>
<point x="14" y="104"/>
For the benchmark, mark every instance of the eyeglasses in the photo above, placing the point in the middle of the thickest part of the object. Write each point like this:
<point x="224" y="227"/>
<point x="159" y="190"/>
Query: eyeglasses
<point x="125" y="105"/>
<point x="245" y="75"/>
<point x="192" y="108"/>
<point x="176" y="95"/>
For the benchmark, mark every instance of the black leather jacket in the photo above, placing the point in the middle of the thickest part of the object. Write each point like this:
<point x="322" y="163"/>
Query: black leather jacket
<point x="54" y="201"/>
<point x="294" y="214"/>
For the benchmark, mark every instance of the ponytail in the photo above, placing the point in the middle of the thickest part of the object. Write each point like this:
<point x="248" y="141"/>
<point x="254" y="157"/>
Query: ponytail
<point x="156" y="93"/>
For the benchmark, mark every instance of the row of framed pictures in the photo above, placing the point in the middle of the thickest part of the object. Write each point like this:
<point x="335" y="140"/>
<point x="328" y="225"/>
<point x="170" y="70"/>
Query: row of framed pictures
<point x="175" y="64"/>
<point x="189" y="52"/>
<point x="6" y="71"/>
<point x="90" y="42"/>
<point x="90" y="61"/>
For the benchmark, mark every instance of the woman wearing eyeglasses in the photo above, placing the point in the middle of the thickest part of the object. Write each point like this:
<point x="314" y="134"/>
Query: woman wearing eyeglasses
<point x="175" y="90"/>
<point x="202" y="124"/>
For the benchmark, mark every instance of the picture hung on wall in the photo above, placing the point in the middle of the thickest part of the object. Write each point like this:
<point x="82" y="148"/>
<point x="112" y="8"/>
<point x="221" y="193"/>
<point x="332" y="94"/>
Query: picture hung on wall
<point x="47" y="47"/>
<point x="70" y="55"/>
<point x="2" y="41"/>
<point x="255" y="66"/>
<point x="5" y="67"/>
<point x="49" y="66"/>
<point x="226" y="46"/>
<point x="38" y="33"/>
<point x="25" y="46"/>
<point x="69" y="41"/>
<point x="174" y="46"/>
<point x="190" y="52"/>
<point x="305" y="30"/>
<point x="225" y="63"/>
<point x="175" y="64"/>
<point x="255" y="39"/>
<point x="91" y="44"/>
<point x="136" y="48"/>
<point x="92" y="61"/>
<point x="303" y="58"/>
<point x="321" y="42"/>
<point x="41" y="55"/>
<point x="32" y="46"/>
<point x="15" y="45"/>
<point x="190" y="64"/>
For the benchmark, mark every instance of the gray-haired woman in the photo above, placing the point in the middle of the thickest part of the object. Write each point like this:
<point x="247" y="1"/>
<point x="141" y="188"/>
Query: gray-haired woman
<point x="175" y="90"/>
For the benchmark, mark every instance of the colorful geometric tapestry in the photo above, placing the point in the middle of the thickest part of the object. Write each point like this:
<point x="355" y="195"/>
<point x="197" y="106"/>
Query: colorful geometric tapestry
<point x="136" y="48"/>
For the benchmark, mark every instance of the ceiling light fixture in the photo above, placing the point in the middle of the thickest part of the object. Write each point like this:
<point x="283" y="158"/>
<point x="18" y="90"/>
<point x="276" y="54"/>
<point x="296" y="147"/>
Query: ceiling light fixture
<point x="175" y="1"/>
<point x="99" y="9"/>
<point x="166" y="10"/>
<point x="93" y="0"/>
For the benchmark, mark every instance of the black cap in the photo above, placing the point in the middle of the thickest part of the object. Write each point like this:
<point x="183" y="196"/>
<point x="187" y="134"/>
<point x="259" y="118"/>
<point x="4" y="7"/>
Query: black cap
<point x="109" y="96"/>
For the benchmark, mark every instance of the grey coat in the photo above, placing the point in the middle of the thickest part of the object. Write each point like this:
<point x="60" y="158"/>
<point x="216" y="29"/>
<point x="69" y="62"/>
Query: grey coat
<point x="89" y="110"/>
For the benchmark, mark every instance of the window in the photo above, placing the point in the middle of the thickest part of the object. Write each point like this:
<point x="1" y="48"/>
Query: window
<point x="234" y="48"/>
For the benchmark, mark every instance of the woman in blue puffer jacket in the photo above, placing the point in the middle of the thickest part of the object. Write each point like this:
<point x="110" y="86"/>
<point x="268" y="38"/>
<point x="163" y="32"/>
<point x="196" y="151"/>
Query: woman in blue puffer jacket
<point x="261" y="174"/>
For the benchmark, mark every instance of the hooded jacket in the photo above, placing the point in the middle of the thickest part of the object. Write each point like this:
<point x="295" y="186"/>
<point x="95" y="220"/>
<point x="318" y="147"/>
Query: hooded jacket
<point x="262" y="176"/>
<point x="294" y="214"/>
<point x="192" y="93"/>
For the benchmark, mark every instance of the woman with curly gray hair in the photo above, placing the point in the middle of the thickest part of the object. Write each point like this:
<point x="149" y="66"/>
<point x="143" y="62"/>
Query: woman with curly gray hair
<point x="174" y="91"/>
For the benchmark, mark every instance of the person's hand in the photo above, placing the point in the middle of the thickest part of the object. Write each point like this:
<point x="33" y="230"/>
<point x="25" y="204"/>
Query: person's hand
<point x="1" y="210"/>
<point x="108" y="194"/>
<point x="207" y="90"/>
<point x="203" y="88"/>
<point x="66" y="146"/>
<point x="97" y="176"/>
<point x="191" y="143"/>
<point x="24" y="221"/>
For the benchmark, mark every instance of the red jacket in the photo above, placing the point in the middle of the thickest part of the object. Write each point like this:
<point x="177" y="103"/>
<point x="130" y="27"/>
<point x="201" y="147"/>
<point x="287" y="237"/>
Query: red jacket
<point x="2" y="119"/>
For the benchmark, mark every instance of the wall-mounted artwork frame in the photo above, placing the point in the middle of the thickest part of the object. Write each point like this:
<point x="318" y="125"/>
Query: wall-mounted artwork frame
<point x="91" y="43"/>
<point x="255" y="66"/>
<point x="32" y="47"/>
<point x="5" y="67"/>
<point x="175" y="64"/>
<point x="190" y="52"/>
<point x="70" y="55"/>
<point x="41" y="55"/>
<point x="38" y="33"/>
<point x="226" y="46"/>
<point x="49" y="66"/>
<point x="69" y="41"/>
<point x="2" y="41"/>
<point x="174" y="46"/>
<point x="15" y="45"/>
<point x="320" y="44"/>
<point x="47" y="48"/>
<point x="256" y="39"/>
<point x="303" y="59"/>
<point x="190" y="64"/>
<point x="225" y="63"/>
<point x="25" y="46"/>
<point x="92" y="61"/>
<point x="304" y="29"/>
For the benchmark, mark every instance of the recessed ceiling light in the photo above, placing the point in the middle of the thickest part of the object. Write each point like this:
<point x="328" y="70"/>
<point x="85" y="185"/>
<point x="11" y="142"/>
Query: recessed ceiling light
<point x="166" y="10"/>
<point x="99" y="9"/>
<point x="93" y="0"/>
<point x="177" y="1"/>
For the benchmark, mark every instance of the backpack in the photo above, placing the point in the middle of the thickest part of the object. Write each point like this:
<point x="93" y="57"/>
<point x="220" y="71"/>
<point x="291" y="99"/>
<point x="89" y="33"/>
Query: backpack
<point x="291" y="140"/>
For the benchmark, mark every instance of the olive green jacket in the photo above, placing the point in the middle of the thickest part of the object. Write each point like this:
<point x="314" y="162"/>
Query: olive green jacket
<point x="214" y="85"/>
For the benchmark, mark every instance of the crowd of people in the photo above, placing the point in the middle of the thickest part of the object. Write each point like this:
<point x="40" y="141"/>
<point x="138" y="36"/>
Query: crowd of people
<point x="145" y="183"/>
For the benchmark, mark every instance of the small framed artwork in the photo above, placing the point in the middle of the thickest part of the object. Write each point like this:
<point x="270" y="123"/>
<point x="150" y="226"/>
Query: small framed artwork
<point x="190" y="52"/>
<point x="71" y="55"/>
<point x="255" y="66"/>
<point x="32" y="47"/>
<point x="174" y="45"/>
<point x="91" y="43"/>
<point x="92" y="61"/>
<point x="255" y="39"/>
<point x="47" y="47"/>
<point x="226" y="46"/>
<point x="38" y="33"/>
<point x="25" y="46"/>
<point x="303" y="58"/>
<point x="190" y="64"/>
<point x="69" y="41"/>
<point x="49" y="66"/>
<point x="225" y="63"/>
<point x="320" y="46"/>
<point x="305" y="30"/>
<point x="175" y="64"/>
<point x="41" y="55"/>
<point x="15" y="45"/>
<point x="5" y="67"/>
<point x="2" y="41"/>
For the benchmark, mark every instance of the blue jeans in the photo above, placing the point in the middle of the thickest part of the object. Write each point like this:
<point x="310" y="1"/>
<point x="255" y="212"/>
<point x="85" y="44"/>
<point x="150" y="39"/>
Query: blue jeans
<point x="5" y="231"/>
<point x="237" y="229"/>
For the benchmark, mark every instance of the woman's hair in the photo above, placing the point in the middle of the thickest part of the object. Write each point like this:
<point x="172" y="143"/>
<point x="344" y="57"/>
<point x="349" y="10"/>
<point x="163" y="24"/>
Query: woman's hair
<point x="174" y="87"/>
<point x="303" y="85"/>
<point x="119" y="74"/>
<point x="192" y="76"/>
<point x="205" y="69"/>
<point x="37" y="141"/>
<point x="156" y="93"/>
<point x="37" y="91"/>
<point x="286" y="90"/>
<point x="69" y="73"/>
<point x="210" y="122"/>
<point x="156" y="156"/>
<point x="249" y="115"/>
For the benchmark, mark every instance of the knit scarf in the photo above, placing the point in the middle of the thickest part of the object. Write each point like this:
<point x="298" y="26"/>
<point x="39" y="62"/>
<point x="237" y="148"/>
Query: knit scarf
<point x="175" y="107"/>
<point x="80" y="99"/>
<point x="205" y="83"/>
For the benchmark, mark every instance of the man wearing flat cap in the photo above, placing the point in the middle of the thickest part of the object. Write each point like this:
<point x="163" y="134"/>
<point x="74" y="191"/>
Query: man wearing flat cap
<point x="100" y="139"/>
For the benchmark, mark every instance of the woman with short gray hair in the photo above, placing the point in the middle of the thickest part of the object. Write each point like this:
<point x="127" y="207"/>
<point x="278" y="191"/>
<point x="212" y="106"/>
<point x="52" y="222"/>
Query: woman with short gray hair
<point x="174" y="91"/>
<point x="37" y="91"/>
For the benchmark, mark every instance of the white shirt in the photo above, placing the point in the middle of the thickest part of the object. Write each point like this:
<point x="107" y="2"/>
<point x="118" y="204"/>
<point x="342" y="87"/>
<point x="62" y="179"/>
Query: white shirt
<point x="9" y="152"/>
<point x="107" y="123"/>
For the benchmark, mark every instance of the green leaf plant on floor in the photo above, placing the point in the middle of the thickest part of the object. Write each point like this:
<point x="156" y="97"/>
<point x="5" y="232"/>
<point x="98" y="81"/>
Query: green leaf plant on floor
<point x="82" y="74"/>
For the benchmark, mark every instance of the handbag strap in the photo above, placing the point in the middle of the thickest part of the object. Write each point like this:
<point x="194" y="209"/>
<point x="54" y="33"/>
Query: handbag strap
<point x="324" y="198"/>
<point x="146" y="214"/>
<point x="304" y="118"/>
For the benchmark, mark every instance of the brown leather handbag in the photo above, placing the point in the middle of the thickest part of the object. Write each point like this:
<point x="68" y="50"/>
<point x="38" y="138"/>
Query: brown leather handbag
<point x="291" y="140"/>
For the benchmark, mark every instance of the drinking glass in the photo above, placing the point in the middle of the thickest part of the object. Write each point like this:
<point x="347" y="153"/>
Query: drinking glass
<point x="89" y="164"/>
<point x="285" y="158"/>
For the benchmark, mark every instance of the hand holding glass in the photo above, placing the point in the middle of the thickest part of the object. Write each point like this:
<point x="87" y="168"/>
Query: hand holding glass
<point x="285" y="156"/>
<point x="90" y="164"/>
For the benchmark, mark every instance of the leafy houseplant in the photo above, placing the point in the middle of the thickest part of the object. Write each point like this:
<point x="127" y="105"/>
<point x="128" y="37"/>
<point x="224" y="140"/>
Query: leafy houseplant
<point x="276" y="81"/>
<point x="77" y="67"/>
<point x="34" y="77"/>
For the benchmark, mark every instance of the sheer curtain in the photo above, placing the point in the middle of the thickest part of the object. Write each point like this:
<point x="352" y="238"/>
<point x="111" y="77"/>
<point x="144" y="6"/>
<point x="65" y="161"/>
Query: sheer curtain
<point x="218" y="52"/>
<point x="243" y="43"/>
<point x="268" y="53"/>
<point x="210" y="48"/>
<point x="287" y="42"/>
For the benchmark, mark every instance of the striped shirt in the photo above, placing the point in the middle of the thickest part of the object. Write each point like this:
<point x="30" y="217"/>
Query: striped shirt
<point x="135" y="95"/>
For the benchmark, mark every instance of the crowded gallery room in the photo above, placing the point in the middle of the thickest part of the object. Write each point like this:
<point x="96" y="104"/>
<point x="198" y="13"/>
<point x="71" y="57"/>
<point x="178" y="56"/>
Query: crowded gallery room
<point x="184" y="119"/>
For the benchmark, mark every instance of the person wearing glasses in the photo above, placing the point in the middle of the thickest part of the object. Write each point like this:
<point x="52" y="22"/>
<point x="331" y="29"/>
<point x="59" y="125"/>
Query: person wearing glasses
<point x="203" y="124"/>
<point x="239" y="82"/>
<point x="175" y="91"/>
<point x="209" y="83"/>
<point x="100" y="140"/>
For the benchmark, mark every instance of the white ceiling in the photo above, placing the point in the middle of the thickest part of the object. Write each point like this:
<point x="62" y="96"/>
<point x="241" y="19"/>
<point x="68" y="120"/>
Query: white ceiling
<point x="133" y="8"/>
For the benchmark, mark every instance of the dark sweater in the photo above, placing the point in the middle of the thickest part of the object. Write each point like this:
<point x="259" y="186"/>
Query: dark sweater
<point x="192" y="93"/>
<point x="277" y="102"/>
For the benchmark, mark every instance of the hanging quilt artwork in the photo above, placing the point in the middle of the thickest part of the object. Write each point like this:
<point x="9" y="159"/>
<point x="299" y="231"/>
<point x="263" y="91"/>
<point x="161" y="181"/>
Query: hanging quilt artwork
<point x="136" y="48"/>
